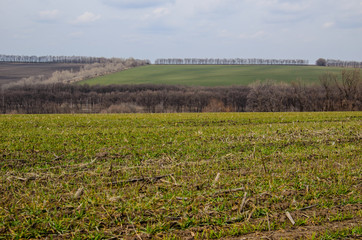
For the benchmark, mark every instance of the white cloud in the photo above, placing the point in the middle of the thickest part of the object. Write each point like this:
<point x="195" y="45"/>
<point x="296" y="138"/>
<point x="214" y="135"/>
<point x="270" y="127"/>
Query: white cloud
<point x="48" y="15"/>
<point x="292" y="7"/>
<point x="328" y="24"/>
<point x="157" y="13"/>
<point x="202" y="7"/>
<point x="136" y="3"/>
<point x="255" y="35"/>
<point x="87" y="17"/>
<point x="76" y="34"/>
<point x="243" y="36"/>
<point x="161" y="11"/>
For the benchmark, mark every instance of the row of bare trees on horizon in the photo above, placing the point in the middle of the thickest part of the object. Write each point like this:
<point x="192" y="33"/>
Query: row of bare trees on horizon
<point x="334" y="93"/>
<point x="198" y="61"/>
<point x="230" y="61"/>
<point x="57" y="59"/>
<point x="340" y="63"/>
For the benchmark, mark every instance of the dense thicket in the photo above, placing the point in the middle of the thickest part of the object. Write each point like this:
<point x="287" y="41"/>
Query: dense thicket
<point x="335" y="93"/>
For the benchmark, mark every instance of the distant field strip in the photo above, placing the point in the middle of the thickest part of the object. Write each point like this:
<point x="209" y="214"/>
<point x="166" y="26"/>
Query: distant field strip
<point x="212" y="75"/>
<point x="181" y="176"/>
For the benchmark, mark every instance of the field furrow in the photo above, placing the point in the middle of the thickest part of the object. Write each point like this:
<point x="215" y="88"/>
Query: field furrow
<point x="181" y="176"/>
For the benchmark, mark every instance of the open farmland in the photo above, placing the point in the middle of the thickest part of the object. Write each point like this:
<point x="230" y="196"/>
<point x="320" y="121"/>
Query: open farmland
<point x="181" y="176"/>
<point x="12" y="72"/>
<point x="213" y="75"/>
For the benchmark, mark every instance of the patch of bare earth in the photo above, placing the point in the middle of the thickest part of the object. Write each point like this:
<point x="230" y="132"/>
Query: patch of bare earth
<point x="11" y="72"/>
<point x="305" y="232"/>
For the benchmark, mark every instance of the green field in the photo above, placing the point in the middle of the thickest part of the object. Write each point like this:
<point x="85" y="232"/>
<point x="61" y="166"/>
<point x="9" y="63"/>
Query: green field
<point x="181" y="176"/>
<point x="212" y="75"/>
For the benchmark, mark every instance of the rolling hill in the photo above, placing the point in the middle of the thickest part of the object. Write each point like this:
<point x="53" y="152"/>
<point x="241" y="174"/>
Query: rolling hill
<point x="212" y="75"/>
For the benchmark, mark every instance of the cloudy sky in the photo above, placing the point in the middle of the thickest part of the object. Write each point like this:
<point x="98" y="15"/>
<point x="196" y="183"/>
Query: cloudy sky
<point x="151" y="29"/>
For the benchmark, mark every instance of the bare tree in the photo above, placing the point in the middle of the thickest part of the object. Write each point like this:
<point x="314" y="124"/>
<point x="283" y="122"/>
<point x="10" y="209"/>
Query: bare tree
<point x="231" y="61"/>
<point x="349" y="88"/>
<point x="328" y="81"/>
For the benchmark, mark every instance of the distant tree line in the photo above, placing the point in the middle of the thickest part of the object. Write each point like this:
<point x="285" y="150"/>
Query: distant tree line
<point x="334" y="93"/>
<point x="340" y="63"/>
<point x="230" y="61"/>
<point x="57" y="59"/>
<point x="86" y="71"/>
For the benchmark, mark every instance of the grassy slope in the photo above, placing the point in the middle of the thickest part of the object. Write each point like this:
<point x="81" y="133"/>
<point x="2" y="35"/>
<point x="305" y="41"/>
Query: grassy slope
<point x="212" y="75"/>
<point x="282" y="161"/>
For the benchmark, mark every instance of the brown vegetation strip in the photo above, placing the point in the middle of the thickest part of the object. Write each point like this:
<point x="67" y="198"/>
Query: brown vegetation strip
<point x="143" y="179"/>
<point x="304" y="232"/>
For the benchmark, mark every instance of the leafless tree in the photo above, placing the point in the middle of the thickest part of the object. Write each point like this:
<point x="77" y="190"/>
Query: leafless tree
<point x="340" y="63"/>
<point x="230" y="61"/>
<point x="332" y="94"/>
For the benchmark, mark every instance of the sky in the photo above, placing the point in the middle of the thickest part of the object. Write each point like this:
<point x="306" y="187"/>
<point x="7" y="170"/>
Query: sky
<point x="151" y="29"/>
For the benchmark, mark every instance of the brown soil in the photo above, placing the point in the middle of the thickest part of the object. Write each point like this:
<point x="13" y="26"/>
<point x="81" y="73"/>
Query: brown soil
<point x="307" y="231"/>
<point x="10" y="72"/>
<point x="311" y="228"/>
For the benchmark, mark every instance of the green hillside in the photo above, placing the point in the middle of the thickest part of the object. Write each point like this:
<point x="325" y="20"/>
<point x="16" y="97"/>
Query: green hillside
<point x="212" y="75"/>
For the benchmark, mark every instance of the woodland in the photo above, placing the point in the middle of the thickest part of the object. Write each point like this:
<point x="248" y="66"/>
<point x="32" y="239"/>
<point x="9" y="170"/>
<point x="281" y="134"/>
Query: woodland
<point x="334" y="93"/>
